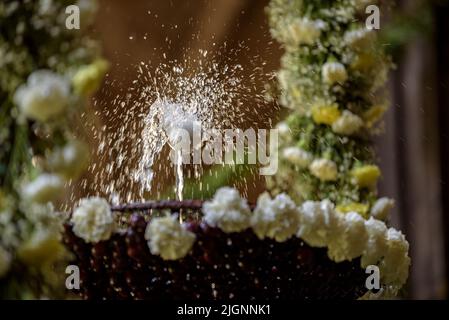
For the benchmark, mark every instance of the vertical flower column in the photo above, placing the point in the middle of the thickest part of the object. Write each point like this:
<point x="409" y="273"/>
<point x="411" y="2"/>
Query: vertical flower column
<point x="331" y="79"/>
<point x="48" y="73"/>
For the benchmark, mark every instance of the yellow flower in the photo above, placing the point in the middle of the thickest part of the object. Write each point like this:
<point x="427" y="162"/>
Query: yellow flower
<point x="373" y="115"/>
<point x="88" y="78"/>
<point x="363" y="62"/>
<point x="360" y="208"/>
<point x="325" y="114"/>
<point x="365" y="176"/>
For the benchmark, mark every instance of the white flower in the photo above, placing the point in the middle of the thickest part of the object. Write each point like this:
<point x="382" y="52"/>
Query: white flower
<point x="347" y="124"/>
<point x="360" y="39"/>
<point x="334" y="72"/>
<point x="395" y="265"/>
<point x="320" y="224"/>
<point x="71" y="160"/>
<point x="276" y="219"/>
<point x="352" y="240"/>
<point x="381" y="208"/>
<point x="350" y="236"/>
<point x="93" y="220"/>
<point x="284" y="130"/>
<point x="5" y="261"/>
<point x="45" y="188"/>
<point x="297" y="156"/>
<point x="376" y="244"/>
<point x="228" y="211"/>
<point x="324" y="169"/>
<point x="168" y="238"/>
<point x="44" y="96"/>
<point x="305" y="31"/>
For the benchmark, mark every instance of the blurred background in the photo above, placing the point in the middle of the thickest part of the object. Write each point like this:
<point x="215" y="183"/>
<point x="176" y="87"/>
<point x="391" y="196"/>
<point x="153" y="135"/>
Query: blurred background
<point x="414" y="148"/>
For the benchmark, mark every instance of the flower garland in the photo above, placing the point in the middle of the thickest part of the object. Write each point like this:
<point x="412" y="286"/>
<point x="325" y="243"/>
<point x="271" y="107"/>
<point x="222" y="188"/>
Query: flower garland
<point x="331" y="79"/>
<point x="48" y="74"/>
<point x="317" y="223"/>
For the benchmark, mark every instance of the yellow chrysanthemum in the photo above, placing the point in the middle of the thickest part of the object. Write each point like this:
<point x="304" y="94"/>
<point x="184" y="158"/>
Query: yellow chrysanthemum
<point x="88" y="78"/>
<point x="373" y="115"/>
<point x="325" y="114"/>
<point x="360" y="208"/>
<point x="365" y="176"/>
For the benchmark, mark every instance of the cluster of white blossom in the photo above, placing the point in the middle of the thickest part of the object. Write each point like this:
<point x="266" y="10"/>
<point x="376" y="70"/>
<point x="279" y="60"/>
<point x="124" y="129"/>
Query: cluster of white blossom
<point x="330" y="79"/>
<point x="93" y="220"/>
<point x="319" y="224"/>
<point x="39" y="152"/>
<point x="228" y="211"/>
<point x="276" y="218"/>
<point x="44" y="96"/>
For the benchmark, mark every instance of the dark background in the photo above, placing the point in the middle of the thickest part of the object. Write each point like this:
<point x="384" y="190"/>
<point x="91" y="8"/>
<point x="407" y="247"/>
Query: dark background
<point x="414" y="149"/>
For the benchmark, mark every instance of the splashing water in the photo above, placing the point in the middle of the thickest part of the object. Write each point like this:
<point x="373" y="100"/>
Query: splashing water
<point x="131" y="153"/>
<point x="179" y="180"/>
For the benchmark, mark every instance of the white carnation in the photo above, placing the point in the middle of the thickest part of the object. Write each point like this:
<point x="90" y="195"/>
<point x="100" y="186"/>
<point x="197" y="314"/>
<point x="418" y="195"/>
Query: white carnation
<point x="334" y="72"/>
<point x="44" y="188"/>
<point x="168" y="238"/>
<point x="276" y="218"/>
<point x="93" y="220"/>
<point x="381" y="208"/>
<point x="320" y="224"/>
<point x="324" y="169"/>
<point x="228" y="211"/>
<point x="347" y="124"/>
<point x="352" y="240"/>
<point x="44" y="96"/>
<point x="395" y="266"/>
<point x="376" y="244"/>
<point x="5" y="261"/>
<point x="297" y="156"/>
<point x="305" y="31"/>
